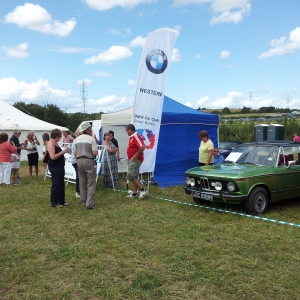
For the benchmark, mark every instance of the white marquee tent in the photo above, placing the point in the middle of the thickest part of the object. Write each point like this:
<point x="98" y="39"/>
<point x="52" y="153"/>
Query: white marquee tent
<point x="11" y="119"/>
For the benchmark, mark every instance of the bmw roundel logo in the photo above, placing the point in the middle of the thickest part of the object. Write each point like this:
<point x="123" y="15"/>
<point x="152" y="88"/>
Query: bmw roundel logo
<point x="156" y="61"/>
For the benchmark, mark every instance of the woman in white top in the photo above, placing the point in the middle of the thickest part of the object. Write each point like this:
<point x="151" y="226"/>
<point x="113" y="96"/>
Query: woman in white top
<point x="32" y="154"/>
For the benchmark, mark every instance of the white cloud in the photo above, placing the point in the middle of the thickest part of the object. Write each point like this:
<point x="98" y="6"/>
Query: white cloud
<point x="147" y="13"/>
<point x="73" y="50"/>
<point x="236" y="99"/>
<point x="114" y="53"/>
<point x="264" y="101"/>
<point x="40" y="92"/>
<point x="86" y="81"/>
<point x="108" y="4"/>
<point x="122" y="31"/>
<point x="110" y="103"/>
<point x="224" y="54"/>
<point x="230" y="100"/>
<point x="268" y="100"/>
<point x="19" y="51"/>
<point x="228" y="17"/>
<point x="189" y="2"/>
<point x="131" y="82"/>
<point x="37" y="18"/>
<point x="224" y="11"/>
<point x="176" y="56"/>
<point x="102" y="74"/>
<point x="228" y="66"/>
<point x="229" y="11"/>
<point x="202" y="102"/>
<point x="30" y="92"/>
<point x="177" y="28"/>
<point x="197" y="55"/>
<point x="283" y="45"/>
<point x="139" y="41"/>
<point x="295" y="103"/>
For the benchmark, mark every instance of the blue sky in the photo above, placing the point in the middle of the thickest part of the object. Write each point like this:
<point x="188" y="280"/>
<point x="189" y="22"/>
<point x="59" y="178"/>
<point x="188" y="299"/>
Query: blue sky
<point x="230" y="53"/>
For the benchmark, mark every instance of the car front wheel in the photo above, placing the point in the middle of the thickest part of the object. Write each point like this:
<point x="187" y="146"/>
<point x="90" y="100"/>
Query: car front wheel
<point x="257" y="202"/>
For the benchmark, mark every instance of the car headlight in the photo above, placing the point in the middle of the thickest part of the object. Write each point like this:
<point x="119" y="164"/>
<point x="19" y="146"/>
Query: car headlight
<point x="187" y="180"/>
<point x="217" y="185"/>
<point x="230" y="186"/>
<point x="192" y="182"/>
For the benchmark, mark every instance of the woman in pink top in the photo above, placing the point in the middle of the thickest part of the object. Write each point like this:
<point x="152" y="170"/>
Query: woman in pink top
<point x="6" y="149"/>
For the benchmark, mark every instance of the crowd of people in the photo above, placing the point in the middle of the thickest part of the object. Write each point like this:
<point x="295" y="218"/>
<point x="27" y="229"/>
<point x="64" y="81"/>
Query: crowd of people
<point x="84" y="151"/>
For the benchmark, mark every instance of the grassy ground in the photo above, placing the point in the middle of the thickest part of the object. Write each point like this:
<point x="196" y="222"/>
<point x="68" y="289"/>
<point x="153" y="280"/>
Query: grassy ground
<point x="149" y="249"/>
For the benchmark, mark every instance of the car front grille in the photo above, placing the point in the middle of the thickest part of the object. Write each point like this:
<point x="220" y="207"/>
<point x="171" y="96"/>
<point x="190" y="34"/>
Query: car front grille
<point x="204" y="183"/>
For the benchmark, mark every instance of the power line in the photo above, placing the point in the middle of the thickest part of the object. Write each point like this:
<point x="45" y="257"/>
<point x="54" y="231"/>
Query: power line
<point x="288" y="101"/>
<point x="83" y="98"/>
<point x="250" y="100"/>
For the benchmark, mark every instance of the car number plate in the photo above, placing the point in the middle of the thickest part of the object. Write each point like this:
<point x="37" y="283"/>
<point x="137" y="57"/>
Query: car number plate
<point x="204" y="196"/>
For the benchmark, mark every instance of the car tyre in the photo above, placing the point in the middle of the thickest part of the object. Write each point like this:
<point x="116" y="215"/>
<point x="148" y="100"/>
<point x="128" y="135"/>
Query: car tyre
<point x="257" y="202"/>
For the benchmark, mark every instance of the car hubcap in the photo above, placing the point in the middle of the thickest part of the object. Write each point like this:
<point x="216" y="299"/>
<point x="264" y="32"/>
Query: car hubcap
<point x="260" y="202"/>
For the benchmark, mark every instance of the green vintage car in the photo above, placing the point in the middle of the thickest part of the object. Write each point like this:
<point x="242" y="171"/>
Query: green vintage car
<point x="254" y="174"/>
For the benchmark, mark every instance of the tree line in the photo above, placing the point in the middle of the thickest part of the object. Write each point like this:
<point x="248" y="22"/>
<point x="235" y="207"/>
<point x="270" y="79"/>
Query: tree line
<point x="268" y="109"/>
<point x="51" y="113"/>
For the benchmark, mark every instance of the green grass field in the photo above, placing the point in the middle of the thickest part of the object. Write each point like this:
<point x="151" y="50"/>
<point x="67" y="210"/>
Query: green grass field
<point x="149" y="249"/>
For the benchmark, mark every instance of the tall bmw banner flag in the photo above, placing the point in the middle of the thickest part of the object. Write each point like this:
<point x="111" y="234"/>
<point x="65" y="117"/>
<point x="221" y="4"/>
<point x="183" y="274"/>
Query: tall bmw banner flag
<point x="150" y="89"/>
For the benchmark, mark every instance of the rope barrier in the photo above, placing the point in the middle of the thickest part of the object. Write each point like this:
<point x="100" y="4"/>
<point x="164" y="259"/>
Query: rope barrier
<point x="225" y="211"/>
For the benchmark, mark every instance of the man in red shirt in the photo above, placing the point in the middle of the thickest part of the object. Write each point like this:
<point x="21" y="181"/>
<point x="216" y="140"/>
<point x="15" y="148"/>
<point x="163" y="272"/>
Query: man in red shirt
<point x="135" y="154"/>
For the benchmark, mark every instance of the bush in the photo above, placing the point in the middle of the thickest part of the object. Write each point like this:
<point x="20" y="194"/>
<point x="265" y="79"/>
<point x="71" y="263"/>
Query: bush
<point x="245" y="131"/>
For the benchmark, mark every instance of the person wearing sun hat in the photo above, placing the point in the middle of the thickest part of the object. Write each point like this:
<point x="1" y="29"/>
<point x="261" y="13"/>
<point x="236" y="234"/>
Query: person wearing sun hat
<point x="85" y="151"/>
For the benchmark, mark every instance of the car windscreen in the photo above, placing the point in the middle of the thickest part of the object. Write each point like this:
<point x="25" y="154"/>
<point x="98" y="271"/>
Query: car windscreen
<point x="227" y="145"/>
<point x="253" y="154"/>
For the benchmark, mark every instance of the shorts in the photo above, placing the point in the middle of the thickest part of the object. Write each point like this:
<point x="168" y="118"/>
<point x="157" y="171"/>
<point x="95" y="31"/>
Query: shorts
<point x="46" y="159"/>
<point x="133" y="169"/>
<point x="33" y="159"/>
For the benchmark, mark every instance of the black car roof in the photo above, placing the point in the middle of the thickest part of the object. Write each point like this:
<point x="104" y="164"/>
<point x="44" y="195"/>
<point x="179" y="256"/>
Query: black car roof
<point x="238" y="142"/>
<point x="272" y="143"/>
